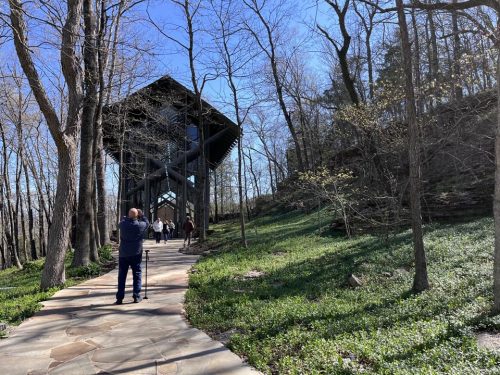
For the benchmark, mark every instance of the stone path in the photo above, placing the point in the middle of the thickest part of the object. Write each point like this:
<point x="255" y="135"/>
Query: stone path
<point x="81" y="331"/>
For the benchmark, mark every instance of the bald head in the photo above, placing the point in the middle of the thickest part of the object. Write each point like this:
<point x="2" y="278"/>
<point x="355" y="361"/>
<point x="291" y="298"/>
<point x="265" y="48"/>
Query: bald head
<point x="133" y="213"/>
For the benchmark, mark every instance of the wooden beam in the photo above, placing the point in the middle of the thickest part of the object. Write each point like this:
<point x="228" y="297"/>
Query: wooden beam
<point x="189" y="156"/>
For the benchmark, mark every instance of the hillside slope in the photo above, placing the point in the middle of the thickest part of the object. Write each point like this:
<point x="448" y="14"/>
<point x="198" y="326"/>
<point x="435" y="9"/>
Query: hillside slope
<point x="285" y="304"/>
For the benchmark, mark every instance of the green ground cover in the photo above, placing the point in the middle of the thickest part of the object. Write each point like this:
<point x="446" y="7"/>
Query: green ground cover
<point x="301" y="317"/>
<point x="20" y="293"/>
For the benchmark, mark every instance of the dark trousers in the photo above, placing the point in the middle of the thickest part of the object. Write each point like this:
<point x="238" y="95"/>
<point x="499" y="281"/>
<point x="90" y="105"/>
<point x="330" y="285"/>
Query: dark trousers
<point x="158" y="237"/>
<point x="187" y="237"/>
<point x="124" y="263"/>
<point x="165" y="236"/>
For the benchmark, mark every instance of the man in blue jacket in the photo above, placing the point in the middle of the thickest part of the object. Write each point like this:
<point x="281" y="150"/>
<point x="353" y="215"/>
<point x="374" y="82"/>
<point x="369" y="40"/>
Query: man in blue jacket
<point x="132" y="231"/>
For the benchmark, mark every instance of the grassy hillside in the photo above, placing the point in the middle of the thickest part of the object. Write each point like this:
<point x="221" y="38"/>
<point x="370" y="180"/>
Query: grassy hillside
<point x="298" y="315"/>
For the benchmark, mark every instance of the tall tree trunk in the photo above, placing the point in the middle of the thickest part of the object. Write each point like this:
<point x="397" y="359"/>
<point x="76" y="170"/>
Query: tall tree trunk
<point x="277" y="81"/>
<point x="102" y="213"/>
<point x="21" y="168"/>
<point x="430" y="75"/>
<point x="31" y="220"/>
<point x="3" y="245"/>
<point x="304" y="135"/>
<point x="420" y="282"/>
<point x="240" y="189"/>
<point x="240" y="155"/>
<point x="121" y="181"/>
<point x="457" y="86"/>
<point x="271" y="178"/>
<point x="102" y="209"/>
<point x="370" y="64"/>
<point x="95" y="242"/>
<point x="94" y="246"/>
<point x="84" y="216"/>
<point x="65" y="139"/>
<point x="343" y="49"/>
<point x="434" y="57"/>
<point x="198" y="107"/>
<point x="42" y="238"/>
<point x="418" y="79"/>
<point x="496" y="205"/>
<point x="20" y="210"/>
<point x="10" y="228"/>
<point x="84" y="226"/>
<point x="252" y="172"/>
<point x="222" y="190"/>
<point x="247" y="203"/>
<point x="216" y="199"/>
<point x="367" y="21"/>
<point x="39" y="178"/>
<point x="53" y="273"/>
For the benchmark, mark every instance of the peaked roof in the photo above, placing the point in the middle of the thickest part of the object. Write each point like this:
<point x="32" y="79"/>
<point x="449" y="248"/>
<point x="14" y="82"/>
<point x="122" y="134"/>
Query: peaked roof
<point x="167" y="92"/>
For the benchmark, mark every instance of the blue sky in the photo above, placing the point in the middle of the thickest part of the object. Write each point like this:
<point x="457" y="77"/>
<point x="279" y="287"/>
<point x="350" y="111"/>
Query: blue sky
<point x="171" y="59"/>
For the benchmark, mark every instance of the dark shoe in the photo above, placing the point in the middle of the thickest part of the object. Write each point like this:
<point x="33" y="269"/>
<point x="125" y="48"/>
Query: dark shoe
<point x="137" y="299"/>
<point x="118" y="302"/>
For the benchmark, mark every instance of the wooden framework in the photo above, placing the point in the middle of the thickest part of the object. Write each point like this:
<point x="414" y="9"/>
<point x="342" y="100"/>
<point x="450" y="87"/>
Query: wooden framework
<point x="153" y="135"/>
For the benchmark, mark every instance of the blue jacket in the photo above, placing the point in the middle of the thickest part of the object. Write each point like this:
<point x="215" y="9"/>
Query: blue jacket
<point x="132" y="235"/>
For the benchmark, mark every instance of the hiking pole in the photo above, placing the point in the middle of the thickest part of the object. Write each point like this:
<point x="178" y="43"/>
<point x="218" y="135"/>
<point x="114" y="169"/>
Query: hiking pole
<point x="147" y="258"/>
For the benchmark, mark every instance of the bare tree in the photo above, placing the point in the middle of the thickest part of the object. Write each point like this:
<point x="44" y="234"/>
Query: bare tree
<point x="84" y="228"/>
<point x="468" y="4"/>
<point x="235" y="59"/>
<point x="456" y="55"/>
<point x="367" y="18"/>
<point x="11" y="221"/>
<point x="65" y="137"/>
<point x="420" y="282"/>
<point x="342" y="49"/>
<point x="267" y="42"/>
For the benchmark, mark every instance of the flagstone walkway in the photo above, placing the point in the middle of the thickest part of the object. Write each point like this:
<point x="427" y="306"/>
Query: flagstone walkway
<point x="81" y="331"/>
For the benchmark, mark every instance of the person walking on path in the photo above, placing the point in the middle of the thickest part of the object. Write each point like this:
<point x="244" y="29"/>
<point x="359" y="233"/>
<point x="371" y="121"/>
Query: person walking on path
<point x="188" y="230"/>
<point x="166" y="231"/>
<point x="171" y="226"/>
<point x="132" y="230"/>
<point x="158" y="228"/>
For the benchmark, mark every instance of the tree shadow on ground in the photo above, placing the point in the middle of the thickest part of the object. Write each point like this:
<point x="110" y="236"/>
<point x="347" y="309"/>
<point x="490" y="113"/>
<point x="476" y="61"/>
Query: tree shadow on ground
<point x="311" y="279"/>
<point x="301" y="305"/>
<point x="326" y="276"/>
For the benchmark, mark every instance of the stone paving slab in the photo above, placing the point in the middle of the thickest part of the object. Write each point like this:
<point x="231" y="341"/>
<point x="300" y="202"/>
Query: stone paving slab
<point x="81" y="331"/>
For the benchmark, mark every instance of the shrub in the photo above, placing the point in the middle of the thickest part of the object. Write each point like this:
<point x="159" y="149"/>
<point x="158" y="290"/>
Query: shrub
<point x="105" y="253"/>
<point x="92" y="270"/>
<point x="33" y="266"/>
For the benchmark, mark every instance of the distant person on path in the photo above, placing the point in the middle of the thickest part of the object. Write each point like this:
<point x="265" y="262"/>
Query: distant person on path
<point x="166" y="231"/>
<point x="158" y="228"/>
<point x="188" y="230"/>
<point x="140" y="214"/>
<point x="132" y="231"/>
<point x="171" y="226"/>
